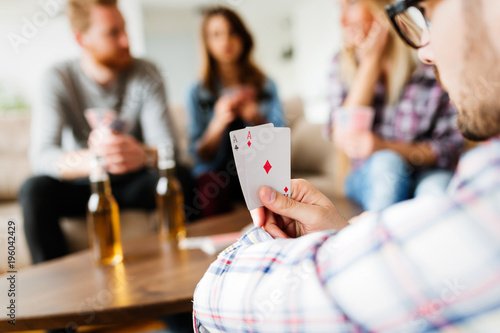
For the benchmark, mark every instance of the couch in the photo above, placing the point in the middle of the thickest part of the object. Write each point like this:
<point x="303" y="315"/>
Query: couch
<point x="312" y="159"/>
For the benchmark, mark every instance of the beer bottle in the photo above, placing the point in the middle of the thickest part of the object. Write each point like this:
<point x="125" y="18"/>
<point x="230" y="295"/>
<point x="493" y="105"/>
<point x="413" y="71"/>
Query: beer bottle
<point x="103" y="217"/>
<point x="169" y="197"/>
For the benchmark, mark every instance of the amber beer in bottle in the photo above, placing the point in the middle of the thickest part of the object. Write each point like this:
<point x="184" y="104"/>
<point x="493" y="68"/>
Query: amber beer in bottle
<point x="103" y="217"/>
<point x="169" y="197"/>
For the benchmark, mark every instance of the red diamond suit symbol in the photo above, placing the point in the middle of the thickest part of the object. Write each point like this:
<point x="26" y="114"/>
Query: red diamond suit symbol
<point x="267" y="167"/>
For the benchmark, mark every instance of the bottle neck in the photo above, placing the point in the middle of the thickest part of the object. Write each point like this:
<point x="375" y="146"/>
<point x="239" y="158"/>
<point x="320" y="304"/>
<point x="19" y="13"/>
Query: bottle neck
<point x="101" y="187"/>
<point x="166" y="157"/>
<point x="169" y="173"/>
<point x="99" y="178"/>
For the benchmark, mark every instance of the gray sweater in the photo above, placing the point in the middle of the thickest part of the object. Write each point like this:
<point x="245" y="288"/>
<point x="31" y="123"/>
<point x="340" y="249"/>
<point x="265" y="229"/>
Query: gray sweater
<point x="59" y="124"/>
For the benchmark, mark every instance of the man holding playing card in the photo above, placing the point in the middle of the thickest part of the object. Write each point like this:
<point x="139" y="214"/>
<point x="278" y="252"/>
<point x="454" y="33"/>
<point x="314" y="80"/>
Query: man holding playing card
<point x="428" y="264"/>
<point x="104" y="83"/>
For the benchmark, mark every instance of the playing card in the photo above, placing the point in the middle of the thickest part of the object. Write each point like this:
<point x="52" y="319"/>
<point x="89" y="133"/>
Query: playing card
<point x="267" y="162"/>
<point x="105" y="118"/>
<point x="362" y="120"/>
<point x="353" y="119"/>
<point x="230" y="91"/>
<point x="238" y="145"/>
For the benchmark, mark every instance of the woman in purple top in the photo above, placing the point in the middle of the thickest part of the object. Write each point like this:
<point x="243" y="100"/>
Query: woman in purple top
<point x="414" y="142"/>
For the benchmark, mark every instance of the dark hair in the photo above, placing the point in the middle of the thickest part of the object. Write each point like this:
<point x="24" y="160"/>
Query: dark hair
<point x="250" y="74"/>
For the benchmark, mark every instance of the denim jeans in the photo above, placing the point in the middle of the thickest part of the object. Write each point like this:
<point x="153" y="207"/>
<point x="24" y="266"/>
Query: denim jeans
<point x="386" y="178"/>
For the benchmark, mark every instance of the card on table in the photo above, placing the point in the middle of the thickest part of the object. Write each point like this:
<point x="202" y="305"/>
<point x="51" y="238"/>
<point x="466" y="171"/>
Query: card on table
<point x="262" y="158"/>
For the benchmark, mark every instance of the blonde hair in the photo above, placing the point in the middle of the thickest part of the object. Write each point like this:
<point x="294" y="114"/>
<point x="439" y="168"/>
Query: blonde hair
<point x="402" y="59"/>
<point x="79" y="12"/>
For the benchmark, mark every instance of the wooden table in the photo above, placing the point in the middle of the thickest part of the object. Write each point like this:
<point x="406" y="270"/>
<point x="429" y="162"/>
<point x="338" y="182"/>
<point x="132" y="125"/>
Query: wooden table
<point x="154" y="280"/>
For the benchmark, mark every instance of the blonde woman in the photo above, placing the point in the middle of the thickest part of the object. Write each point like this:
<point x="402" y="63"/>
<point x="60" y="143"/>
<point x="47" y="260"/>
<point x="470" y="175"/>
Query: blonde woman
<point x="414" y="142"/>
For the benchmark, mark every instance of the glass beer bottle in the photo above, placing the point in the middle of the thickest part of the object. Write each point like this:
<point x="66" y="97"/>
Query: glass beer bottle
<point x="169" y="197"/>
<point x="103" y="217"/>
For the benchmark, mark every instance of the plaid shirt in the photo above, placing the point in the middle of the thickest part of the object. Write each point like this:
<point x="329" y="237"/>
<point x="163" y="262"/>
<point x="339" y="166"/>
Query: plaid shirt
<point x="423" y="114"/>
<point x="430" y="264"/>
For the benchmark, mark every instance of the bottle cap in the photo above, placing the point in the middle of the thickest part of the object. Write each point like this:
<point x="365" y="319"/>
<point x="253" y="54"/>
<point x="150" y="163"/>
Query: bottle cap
<point x="97" y="169"/>
<point x="166" y="156"/>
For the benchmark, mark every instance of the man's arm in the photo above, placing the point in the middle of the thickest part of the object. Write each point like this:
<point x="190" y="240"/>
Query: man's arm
<point x="419" y="265"/>
<point x="46" y="154"/>
<point x="265" y="285"/>
<point x="156" y="121"/>
<point x="269" y="274"/>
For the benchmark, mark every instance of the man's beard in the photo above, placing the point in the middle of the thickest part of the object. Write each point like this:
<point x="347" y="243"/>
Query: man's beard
<point x="115" y="61"/>
<point x="478" y="101"/>
<point x="478" y="112"/>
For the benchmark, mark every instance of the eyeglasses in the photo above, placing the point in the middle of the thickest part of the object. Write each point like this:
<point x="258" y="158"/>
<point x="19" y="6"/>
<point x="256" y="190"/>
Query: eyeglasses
<point x="409" y="20"/>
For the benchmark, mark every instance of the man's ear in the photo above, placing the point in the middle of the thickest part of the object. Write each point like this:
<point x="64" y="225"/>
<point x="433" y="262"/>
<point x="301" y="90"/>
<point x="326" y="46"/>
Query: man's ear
<point x="79" y="37"/>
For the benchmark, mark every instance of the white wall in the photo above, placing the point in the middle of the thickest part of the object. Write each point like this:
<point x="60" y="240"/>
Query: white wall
<point x="133" y="12"/>
<point x="29" y="43"/>
<point x="172" y="43"/>
<point x="271" y="25"/>
<point x="317" y="38"/>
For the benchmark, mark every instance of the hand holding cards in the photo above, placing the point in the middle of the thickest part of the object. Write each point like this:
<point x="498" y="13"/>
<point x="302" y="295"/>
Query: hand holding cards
<point x="109" y="138"/>
<point x="262" y="156"/>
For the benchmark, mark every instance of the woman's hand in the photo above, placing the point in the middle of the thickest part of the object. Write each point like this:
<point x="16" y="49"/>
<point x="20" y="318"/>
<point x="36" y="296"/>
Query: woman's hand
<point x="306" y="211"/>
<point x="370" y="54"/>
<point x="225" y="109"/>
<point x="224" y="114"/>
<point x="249" y="112"/>
<point x="375" y="42"/>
